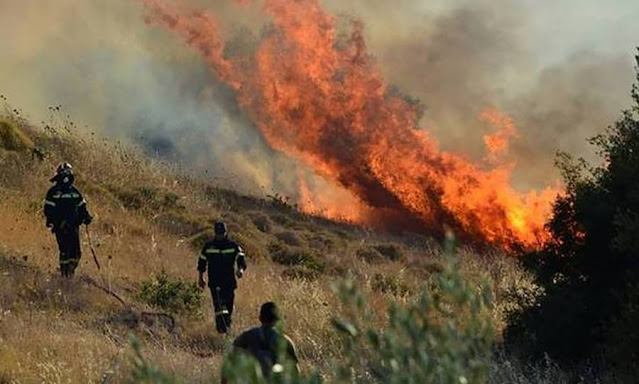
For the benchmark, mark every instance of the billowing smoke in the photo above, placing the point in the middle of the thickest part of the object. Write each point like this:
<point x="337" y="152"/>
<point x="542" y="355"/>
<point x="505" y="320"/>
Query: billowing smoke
<point x="561" y="70"/>
<point x="109" y="71"/>
<point x="561" y="73"/>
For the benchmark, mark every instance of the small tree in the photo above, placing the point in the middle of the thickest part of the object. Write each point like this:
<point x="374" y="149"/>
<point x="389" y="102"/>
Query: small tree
<point x="590" y="266"/>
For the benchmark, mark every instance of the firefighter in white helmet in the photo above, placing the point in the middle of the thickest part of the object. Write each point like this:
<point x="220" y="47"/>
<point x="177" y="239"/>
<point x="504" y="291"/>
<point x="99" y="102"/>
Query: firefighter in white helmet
<point x="65" y="210"/>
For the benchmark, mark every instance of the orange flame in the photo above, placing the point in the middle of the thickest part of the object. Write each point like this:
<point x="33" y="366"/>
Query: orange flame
<point x="497" y="143"/>
<point x="323" y="101"/>
<point x="335" y="205"/>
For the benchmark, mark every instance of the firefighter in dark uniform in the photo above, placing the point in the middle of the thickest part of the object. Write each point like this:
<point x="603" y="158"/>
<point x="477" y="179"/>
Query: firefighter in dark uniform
<point x="65" y="210"/>
<point x="221" y="255"/>
<point x="273" y="349"/>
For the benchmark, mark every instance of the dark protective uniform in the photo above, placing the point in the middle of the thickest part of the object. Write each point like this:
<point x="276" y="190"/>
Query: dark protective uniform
<point x="65" y="210"/>
<point x="269" y="346"/>
<point x="221" y="257"/>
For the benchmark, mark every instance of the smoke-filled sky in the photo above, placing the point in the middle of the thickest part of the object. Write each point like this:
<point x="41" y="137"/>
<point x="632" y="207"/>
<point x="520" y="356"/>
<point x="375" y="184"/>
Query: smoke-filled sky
<point x="561" y="69"/>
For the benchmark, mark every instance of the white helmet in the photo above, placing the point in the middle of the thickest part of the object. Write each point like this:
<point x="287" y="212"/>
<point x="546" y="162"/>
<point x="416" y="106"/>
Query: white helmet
<point x="64" y="174"/>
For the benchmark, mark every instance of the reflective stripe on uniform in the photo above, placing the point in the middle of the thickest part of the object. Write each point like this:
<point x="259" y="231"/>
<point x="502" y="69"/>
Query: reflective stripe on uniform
<point x="241" y="254"/>
<point x="222" y="312"/>
<point x="69" y="261"/>
<point x="69" y="196"/>
<point x="216" y="251"/>
<point x="83" y="202"/>
<point x="202" y="257"/>
<point x="48" y="202"/>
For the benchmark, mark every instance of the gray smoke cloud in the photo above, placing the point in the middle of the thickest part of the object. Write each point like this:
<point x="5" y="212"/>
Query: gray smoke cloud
<point x="562" y="70"/>
<point x="114" y="73"/>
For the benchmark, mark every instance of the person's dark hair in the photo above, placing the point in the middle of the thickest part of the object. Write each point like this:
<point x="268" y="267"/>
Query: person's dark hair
<point x="269" y="313"/>
<point x="220" y="228"/>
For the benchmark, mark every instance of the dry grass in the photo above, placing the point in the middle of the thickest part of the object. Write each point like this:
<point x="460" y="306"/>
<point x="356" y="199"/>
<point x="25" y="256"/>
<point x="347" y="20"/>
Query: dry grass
<point x="148" y="220"/>
<point x="12" y="138"/>
<point x="505" y="370"/>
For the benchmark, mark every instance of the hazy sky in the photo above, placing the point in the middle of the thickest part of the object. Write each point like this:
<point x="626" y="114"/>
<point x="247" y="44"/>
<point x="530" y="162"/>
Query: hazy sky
<point x="553" y="29"/>
<point x="561" y="27"/>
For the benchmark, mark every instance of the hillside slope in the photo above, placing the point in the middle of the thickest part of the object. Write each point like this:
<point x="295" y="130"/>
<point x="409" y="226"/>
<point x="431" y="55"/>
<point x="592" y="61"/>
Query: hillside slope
<point x="150" y="220"/>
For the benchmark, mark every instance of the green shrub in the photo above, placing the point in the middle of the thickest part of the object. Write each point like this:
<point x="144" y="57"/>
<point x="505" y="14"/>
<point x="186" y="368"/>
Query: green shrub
<point x="170" y="200"/>
<point x="284" y="220"/>
<point x="344" y="235"/>
<point x="391" y="252"/>
<point x="295" y="256"/>
<point x="324" y="242"/>
<point x="253" y="249"/>
<point x="181" y="223"/>
<point x="261" y="221"/>
<point x="281" y="202"/>
<point x="289" y="238"/>
<point x="369" y="255"/>
<point x="389" y="284"/>
<point x="148" y="198"/>
<point x="300" y="273"/>
<point x="443" y="336"/>
<point x="198" y="240"/>
<point x="171" y="294"/>
<point x="433" y="267"/>
<point x="137" y="198"/>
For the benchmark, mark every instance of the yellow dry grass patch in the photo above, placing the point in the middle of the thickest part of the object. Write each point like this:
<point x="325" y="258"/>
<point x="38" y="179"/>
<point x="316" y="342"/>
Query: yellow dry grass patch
<point x="47" y="348"/>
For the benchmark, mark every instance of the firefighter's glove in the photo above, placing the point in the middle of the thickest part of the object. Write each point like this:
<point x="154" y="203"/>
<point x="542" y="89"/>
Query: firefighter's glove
<point x="88" y="220"/>
<point x="201" y="283"/>
<point x="239" y="273"/>
<point x="51" y="227"/>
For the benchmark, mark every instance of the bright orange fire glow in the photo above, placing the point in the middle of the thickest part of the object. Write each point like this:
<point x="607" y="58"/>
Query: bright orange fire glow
<point x="497" y="143"/>
<point x="321" y="99"/>
<point x="333" y="205"/>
